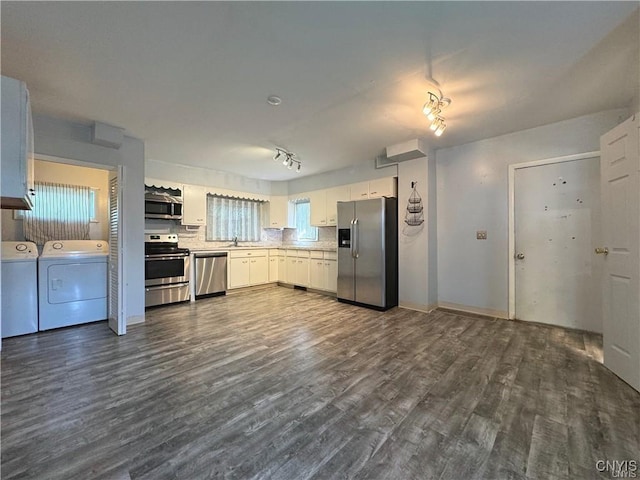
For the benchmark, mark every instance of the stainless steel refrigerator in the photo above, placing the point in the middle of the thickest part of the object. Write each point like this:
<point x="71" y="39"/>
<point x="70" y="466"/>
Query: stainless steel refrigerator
<point x="368" y="252"/>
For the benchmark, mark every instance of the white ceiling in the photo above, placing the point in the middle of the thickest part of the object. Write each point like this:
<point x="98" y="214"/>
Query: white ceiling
<point x="191" y="79"/>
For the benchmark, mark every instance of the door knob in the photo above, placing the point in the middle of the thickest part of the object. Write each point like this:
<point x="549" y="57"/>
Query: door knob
<point x="520" y="256"/>
<point x="602" y="251"/>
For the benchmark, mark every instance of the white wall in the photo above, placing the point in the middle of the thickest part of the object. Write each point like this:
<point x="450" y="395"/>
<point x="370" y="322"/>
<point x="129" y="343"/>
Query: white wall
<point x="71" y="175"/>
<point x="206" y="177"/>
<point x="414" y="262"/>
<point x="472" y="195"/>
<point x="361" y="172"/>
<point x="67" y="140"/>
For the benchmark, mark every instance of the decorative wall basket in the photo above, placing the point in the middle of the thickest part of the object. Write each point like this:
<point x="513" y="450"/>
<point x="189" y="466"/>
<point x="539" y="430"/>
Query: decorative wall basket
<point x="414" y="215"/>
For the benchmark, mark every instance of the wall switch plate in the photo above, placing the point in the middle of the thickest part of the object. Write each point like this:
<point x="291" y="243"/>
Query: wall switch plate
<point x="481" y="235"/>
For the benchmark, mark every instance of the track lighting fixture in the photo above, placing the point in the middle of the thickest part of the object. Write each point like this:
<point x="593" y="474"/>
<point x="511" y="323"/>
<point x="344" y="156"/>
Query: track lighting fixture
<point x="288" y="159"/>
<point x="433" y="109"/>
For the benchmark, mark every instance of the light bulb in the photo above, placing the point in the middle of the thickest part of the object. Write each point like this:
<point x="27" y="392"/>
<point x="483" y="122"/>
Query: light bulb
<point x="286" y="159"/>
<point x="298" y="167"/>
<point x="277" y="155"/>
<point x="432" y="107"/>
<point x="290" y="164"/>
<point x="440" y="129"/>
<point x="432" y="115"/>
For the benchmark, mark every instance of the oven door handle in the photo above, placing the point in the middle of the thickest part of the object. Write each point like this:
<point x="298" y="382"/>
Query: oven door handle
<point x="166" y="287"/>
<point x="170" y="256"/>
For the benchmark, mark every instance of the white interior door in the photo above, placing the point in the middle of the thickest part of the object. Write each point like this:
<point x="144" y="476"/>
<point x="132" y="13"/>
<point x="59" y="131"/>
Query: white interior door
<point x="557" y="225"/>
<point x="621" y="248"/>
<point x="117" y="316"/>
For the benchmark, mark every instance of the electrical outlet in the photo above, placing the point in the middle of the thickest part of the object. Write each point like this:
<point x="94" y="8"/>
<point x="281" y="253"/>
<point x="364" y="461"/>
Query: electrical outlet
<point x="481" y="235"/>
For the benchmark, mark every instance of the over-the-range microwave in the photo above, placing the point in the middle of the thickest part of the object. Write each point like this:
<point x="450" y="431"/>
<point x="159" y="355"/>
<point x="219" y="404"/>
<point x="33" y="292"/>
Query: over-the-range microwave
<point x="162" y="206"/>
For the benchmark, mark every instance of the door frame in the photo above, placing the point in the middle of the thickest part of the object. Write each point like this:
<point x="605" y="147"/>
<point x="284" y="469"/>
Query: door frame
<point x="120" y="173"/>
<point x="512" y="220"/>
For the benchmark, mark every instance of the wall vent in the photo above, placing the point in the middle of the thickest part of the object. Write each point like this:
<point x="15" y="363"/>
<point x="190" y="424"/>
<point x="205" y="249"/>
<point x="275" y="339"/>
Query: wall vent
<point x="407" y="150"/>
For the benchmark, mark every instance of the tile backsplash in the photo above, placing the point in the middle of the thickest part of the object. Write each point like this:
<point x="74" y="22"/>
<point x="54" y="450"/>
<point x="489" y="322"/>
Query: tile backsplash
<point x="195" y="237"/>
<point x="326" y="238"/>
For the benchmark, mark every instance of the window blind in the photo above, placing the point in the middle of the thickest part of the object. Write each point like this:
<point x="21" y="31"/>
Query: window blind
<point x="60" y="212"/>
<point x="228" y="218"/>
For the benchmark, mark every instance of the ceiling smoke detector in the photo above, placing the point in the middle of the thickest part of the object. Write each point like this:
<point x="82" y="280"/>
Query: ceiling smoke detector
<point x="274" y="100"/>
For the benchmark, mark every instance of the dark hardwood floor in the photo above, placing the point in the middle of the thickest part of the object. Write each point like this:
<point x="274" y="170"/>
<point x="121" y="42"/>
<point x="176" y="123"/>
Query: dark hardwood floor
<point x="287" y="384"/>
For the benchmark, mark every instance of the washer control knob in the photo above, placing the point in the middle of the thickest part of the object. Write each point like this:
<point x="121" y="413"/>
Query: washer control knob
<point x="21" y="247"/>
<point x="57" y="245"/>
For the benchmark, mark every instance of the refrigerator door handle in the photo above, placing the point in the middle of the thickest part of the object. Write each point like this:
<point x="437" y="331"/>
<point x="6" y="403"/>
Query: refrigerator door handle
<point x="356" y="239"/>
<point x="351" y="238"/>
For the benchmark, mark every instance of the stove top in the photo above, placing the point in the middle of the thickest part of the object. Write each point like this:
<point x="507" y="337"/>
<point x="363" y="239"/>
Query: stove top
<point x="162" y="244"/>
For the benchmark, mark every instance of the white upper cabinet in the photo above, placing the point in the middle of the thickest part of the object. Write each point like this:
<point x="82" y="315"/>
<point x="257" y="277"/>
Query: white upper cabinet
<point x="278" y="212"/>
<point x="194" y="208"/>
<point x="335" y="195"/>
<point x="359" y="191"/>
<point x="382" y="187"/>
<point x="17" y="146"/>
<point x="318" y="205"/>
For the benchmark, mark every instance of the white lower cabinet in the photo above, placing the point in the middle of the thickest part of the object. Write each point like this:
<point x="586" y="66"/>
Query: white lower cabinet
<point x="274" y="264"/>
<point x="305" y="268"/>
<point x="302" y="272"/>
<point x="316" y="274"/>
<point x="297" y="262"/>
<point x="239" y="274"/>
<point x="323" y="271"/>
<point x="259" y="270"/>
<point x="248" y="267"/>
<point x="331" y="275"/>
<point x="292" y="264"/>
<point x="282" y="268"/>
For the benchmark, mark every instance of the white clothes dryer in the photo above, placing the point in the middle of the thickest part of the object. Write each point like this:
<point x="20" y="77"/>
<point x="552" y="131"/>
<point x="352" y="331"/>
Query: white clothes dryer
<point x="72" y="282"/>
<point x="19" y="288"/>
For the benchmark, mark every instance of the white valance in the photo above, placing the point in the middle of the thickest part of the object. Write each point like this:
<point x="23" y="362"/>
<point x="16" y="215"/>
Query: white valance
<point x="162" y="184"/>
<point x="222" y="192"/>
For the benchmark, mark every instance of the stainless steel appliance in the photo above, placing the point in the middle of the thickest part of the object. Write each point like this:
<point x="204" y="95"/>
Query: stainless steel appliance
<point x="368" y="252"/>
<point x="211" y="274"/>
<point x="163" y="205"/>
<point x="166" y="270"/>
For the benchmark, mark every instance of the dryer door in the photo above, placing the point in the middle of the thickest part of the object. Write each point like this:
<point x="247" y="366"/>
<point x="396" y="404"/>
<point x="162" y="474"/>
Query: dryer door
<point x="73" y="282"/>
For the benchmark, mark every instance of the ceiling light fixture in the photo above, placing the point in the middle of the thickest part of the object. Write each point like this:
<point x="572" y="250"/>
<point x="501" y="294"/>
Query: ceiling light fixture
<point x="433" y="109"/>
<point x="288" y="159"/>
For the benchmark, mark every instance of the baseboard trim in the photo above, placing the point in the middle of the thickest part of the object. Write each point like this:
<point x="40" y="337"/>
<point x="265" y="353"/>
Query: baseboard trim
<point x="135" y="319"/>
<point x="418" y="307"/>
<point x="482" y="312"/>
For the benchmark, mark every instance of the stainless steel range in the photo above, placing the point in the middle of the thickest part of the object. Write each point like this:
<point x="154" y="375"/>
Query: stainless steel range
<point x="166" y="270"/>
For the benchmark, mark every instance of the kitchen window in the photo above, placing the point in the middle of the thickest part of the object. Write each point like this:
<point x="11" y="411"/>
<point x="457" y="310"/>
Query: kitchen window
<point x="228" y="218"/>
<point x="303" y="221"/>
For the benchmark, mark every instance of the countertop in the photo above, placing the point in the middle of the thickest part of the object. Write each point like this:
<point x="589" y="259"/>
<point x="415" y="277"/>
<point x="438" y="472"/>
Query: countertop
<point x="287" y="247"/>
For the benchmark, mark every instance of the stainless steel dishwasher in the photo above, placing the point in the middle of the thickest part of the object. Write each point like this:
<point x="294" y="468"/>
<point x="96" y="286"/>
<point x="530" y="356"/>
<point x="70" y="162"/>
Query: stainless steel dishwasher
<point x="211" y="274"/>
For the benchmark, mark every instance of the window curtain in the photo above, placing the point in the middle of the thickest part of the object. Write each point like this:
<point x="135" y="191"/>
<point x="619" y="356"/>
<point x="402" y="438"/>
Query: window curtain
<point x="60" y="212"/>
<point x="228" y="218"/>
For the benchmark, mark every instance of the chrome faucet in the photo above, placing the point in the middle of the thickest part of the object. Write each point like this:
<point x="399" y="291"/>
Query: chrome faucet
<point x="235" y="241"/>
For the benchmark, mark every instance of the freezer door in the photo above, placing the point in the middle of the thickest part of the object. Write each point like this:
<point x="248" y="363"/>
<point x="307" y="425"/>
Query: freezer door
<point x="369" y="245"/>
<point x="346" y="260"/>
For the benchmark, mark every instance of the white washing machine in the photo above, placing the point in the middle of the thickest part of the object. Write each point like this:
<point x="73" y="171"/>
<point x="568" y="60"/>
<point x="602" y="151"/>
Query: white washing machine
<point x="72" y="282"/>
<point x="19" y="288"/>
